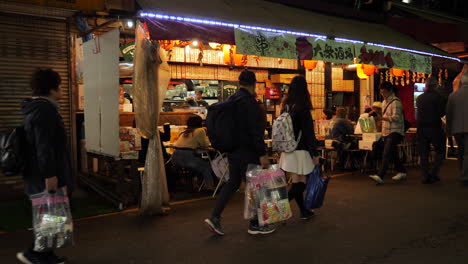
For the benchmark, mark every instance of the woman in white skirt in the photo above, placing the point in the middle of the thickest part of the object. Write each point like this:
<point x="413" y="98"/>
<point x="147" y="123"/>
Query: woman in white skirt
<point x="302" y="161"/>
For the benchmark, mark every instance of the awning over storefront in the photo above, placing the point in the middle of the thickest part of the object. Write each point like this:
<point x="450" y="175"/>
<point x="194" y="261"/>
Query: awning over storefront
<point x="276" y="16"/>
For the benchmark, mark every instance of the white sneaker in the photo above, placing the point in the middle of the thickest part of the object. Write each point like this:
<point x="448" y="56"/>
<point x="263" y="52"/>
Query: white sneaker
<point x="377" y="179"/>
<point x="399" y="177"/>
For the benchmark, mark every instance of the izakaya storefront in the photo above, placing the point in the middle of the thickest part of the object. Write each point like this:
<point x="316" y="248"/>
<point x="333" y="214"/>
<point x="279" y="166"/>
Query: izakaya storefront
<point x="277" y="43"/>
<point x="340" y="63"/>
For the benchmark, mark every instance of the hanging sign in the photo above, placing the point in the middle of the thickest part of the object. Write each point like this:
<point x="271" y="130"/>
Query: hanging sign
<point x="389" y="58"/>
<point x="410" y="61"/>
<point x="375" y="55"/>
<point x="280" y="45"/>
<point x="332" y="51"/>
<point x="267" y="44"/>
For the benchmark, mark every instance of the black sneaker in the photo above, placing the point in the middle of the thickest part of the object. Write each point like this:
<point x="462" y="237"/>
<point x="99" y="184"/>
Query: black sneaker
<point x="260" y="230"/>
<point x="30" y="257"/>
<point x="215" y="226"/>
<point x="54" y="259"/>
<point x="307" y="215"/>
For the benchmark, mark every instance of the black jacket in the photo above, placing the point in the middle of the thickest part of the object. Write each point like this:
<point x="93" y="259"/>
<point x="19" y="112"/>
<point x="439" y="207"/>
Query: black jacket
<point x="431" y="109"/>
<point x="47" y="154"/>
<point x="252" y="122"/>
<point x="302" y="121"/>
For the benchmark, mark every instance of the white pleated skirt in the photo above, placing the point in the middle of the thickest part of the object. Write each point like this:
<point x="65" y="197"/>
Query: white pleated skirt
<point x="298" y="162"/>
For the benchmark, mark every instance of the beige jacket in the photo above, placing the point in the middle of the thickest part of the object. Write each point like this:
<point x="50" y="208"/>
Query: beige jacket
<point x="394" y="112"/>
<point x="193" y="141"/>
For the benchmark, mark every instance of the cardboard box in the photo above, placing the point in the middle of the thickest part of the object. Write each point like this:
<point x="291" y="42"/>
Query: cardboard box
<point x="365" y="145"/>
<point x="372" y="137"/>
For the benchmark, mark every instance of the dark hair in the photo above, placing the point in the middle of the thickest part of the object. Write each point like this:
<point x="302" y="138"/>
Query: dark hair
<point x="193" y="123"/>
<point x="341" y="112"/>
<point x="368" y="110"/>
<point x="387" y="86"/>
<point x="43" y="81"/>
<point x="328" y="113"/>
<point x="298" y="98"/>
<point x="247" y="78"/>
<point x="199" y="92"/>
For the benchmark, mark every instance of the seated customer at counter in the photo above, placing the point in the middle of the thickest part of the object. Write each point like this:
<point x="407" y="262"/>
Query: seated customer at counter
<point x="185" y="155"/>
<point x="342" y="127"/>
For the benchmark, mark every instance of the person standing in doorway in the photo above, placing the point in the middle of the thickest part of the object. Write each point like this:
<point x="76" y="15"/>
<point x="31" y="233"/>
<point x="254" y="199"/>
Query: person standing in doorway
<point x="457" y="124"/>
<point x="47" y="157"/>
<point x="430" y="107"/>
<point x="300" y="162"/>
<point x="393" y="132"/>
<point x="251" y="150"/>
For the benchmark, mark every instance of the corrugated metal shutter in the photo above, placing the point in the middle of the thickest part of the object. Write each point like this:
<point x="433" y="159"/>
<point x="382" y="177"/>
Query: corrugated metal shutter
<point x="28" y="43"/>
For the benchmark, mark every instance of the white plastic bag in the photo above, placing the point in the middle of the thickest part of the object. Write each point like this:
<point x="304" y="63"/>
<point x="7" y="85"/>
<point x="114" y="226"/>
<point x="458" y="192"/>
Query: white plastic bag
<point x="52" y="220"/>
<point x="220" y="166"/>
<point x="266" y="195"/>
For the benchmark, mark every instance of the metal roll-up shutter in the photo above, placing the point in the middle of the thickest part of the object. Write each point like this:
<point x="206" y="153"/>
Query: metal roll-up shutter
<point x="26" y="44"/>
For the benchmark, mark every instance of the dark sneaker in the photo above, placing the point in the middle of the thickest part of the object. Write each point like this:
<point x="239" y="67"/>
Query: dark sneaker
<point x="307" y="215"/>
<point x="215" y="226"/>
<point x="261" y="230"/>
<point x="54" y="259"/>
<point x="29" y="257"/>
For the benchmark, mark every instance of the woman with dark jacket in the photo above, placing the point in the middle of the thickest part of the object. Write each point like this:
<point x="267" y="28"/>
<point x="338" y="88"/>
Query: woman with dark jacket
<point x="302" y="161"/>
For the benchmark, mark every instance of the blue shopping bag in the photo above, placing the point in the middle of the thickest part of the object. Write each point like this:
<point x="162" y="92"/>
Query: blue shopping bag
<point x="315" y="189"/>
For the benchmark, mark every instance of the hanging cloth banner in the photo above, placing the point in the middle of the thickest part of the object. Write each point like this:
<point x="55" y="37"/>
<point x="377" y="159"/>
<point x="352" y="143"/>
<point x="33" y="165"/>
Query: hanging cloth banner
<point x="267" y="44"/>
<point x="332" y="51"/>
<point x="410" y="61"/>
<point x="389" y="58"/>
<point x="280" y="45"/>
<point x="375" y="55"/>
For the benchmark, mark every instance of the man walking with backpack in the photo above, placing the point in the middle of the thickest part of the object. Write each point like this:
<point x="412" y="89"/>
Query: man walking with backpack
<point x="393" y="132"/>
<point x="246" y="145"/>
<point x="47" y="163"/>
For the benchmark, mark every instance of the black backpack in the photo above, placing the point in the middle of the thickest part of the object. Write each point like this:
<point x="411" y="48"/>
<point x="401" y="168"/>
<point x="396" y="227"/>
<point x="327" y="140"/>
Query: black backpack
<point x="222" y="125"/>
<point x="12" y="152"/>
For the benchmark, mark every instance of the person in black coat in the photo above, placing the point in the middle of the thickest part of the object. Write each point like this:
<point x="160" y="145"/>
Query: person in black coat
<point x="431" y="109"/>
<point x="251" y="124"/>
<point x="47" y="157"/>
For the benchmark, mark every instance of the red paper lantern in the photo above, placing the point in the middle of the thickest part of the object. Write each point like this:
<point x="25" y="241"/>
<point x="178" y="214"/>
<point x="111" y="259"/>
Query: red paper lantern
<point x="310" y="64"/>
<point x="240" y="59"/>
<point x="166" y="44"/>
<point x="368" y="69"/>
<point x="182" y="43"/>
<point x="396" y="72"/>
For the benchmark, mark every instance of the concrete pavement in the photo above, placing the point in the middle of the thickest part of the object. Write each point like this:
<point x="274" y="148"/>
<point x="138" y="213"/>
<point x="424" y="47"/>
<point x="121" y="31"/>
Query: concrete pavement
<point x="360" y="223"/>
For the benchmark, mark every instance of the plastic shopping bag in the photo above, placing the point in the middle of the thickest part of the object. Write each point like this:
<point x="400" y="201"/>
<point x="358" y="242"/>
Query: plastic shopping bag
<point x="220" y="166"/>
<point x="266" y="195"/>
<point x="315" y="189"/>
<point x="367" y="125"/>
<point x="52" y="220"/>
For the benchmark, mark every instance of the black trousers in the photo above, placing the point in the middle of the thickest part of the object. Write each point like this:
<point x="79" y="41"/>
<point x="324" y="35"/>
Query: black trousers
<point x="426" y="137"/>
<point x="238" y="163"/>
<point x="390" y="154"/>
<point x="462" y="142"/>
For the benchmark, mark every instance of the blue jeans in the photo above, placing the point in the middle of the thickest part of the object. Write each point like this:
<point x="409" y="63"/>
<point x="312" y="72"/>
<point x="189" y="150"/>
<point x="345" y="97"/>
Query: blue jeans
<point x="188" y="159"/>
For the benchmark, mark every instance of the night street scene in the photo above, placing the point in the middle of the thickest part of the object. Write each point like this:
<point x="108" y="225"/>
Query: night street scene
<point x="243" y="131"/>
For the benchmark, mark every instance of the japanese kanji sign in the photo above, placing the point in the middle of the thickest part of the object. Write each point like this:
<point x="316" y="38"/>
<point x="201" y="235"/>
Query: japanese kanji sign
<point x="267" y="44"/>
<point x="279" y="45"/>
<point x="333" y="51"/>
